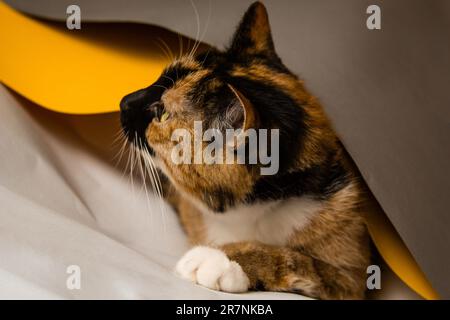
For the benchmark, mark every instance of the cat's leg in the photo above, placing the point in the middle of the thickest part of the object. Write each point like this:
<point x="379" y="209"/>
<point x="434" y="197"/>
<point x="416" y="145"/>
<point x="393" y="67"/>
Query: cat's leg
<point x="238" y="267"/>
<point x="287" y="269"/>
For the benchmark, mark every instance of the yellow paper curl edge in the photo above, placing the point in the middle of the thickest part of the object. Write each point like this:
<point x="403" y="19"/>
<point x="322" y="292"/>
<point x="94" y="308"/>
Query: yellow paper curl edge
<point x="69" y="74"/>
<point x="396" y="255"/>
<point x="64" y="71"/>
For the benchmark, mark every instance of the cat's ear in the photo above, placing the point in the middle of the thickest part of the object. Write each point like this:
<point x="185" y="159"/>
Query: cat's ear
<point x="253" y="35"/>
<point x="242" y="114"/>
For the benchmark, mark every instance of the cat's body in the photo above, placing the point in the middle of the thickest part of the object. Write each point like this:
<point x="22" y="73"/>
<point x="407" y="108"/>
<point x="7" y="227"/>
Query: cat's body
<point x="300" y="230"/>
<point x="318" y="248"/>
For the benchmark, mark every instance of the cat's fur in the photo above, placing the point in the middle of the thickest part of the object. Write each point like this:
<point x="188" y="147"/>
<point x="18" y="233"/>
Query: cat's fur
<point x="297" y="231"/>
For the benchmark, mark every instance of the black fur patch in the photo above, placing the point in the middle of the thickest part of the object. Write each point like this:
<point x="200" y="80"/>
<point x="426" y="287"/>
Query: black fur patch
<point x="320" y="182"/>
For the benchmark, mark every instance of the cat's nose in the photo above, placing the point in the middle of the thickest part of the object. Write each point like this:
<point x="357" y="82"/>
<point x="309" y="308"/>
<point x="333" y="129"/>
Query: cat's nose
<point x="135" y="116"/>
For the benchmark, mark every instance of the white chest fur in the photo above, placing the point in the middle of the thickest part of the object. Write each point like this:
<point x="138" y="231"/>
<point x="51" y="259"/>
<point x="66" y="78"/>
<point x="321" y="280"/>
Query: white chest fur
<point x="270" y="223"/>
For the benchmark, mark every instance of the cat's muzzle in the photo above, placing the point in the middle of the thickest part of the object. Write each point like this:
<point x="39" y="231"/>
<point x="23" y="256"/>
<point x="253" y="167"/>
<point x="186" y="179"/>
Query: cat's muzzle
<point x="137" y="111"/>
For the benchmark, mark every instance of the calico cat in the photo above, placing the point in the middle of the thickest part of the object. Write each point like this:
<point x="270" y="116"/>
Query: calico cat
<point x="300" y="230"/>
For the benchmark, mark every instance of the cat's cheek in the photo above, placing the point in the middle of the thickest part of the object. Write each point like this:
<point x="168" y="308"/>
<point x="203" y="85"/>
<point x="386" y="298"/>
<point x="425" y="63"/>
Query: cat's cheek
<point x="211" y="268"/>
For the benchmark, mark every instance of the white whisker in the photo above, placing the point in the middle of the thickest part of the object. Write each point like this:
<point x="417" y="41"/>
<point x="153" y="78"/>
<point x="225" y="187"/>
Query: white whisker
<point x="160" y="86"/>
<point x="143" y="170"/>
<point x="169" y="78"/>
<point x="197" y="37"/>
<point x="205" y="30"/>
<point x="167" y="47"/>
<point x="166" y="54"/>
<point x="118" y="157"/>
<point x="157" y="184"/>
<point x="180" y="45"/>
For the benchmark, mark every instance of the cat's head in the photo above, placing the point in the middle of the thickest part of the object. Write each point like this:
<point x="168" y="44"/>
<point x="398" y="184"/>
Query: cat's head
<point x="243" y="87"/>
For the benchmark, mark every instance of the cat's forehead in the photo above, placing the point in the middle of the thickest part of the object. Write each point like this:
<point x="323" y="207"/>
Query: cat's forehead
<point x="177" y="95"/>
<point x="184" y="70"/>
<point x="187" y="64"/>
<point x="184" y="75"/>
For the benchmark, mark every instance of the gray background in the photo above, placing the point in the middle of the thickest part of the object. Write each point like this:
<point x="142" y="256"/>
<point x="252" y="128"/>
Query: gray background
<point x="386" y="91"/>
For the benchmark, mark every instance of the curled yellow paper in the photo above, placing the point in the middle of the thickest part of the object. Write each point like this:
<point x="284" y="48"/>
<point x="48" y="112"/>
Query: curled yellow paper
<point x="396" y="254"/>
<point x="77" y="71"/>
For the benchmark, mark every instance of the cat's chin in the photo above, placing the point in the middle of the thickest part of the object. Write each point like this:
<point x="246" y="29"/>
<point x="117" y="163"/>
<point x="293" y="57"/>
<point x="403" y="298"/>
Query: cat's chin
<point x="197" y="203"/>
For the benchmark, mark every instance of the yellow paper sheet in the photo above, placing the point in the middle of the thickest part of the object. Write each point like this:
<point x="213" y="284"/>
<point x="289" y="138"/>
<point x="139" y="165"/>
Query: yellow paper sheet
<point x="78" y="72"/>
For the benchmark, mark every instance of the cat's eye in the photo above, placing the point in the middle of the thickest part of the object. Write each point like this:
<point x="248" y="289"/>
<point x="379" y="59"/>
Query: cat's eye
<point x="164" y="116"/>
<point x="160" y="113"/>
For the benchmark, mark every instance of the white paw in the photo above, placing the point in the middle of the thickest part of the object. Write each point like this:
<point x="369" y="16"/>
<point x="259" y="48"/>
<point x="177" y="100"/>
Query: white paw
<point x="211" y="268"/>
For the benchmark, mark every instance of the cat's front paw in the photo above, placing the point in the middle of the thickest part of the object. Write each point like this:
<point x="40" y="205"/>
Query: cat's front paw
<point x="211" y="268"/>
